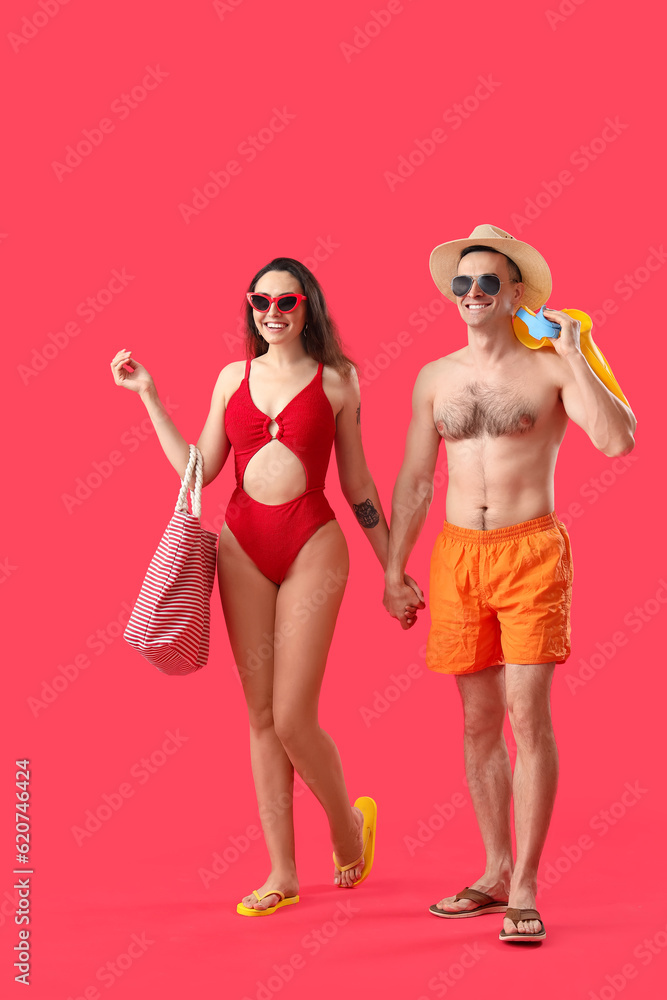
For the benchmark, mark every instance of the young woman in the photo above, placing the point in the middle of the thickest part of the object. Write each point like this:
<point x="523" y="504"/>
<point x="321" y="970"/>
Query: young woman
<point x="281" y="546"/>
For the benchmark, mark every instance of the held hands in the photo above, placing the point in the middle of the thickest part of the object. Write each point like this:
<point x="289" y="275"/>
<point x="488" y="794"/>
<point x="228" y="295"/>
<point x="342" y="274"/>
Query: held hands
<point x="139" y="380"/>
<point x="403" y="600"/>
<point x="568" y="340"/>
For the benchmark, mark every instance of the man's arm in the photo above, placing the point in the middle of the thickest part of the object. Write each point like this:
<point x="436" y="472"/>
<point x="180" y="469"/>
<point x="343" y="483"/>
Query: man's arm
<point x="412" y="494"/>
<point x="609" y="423"/>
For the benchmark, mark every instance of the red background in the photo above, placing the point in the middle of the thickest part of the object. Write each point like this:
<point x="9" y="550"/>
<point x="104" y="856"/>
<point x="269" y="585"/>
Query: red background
<point x="71" y="569"/>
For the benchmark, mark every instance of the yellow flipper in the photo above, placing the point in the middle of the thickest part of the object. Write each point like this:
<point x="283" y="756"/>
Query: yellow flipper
<point x="589" y="349"/>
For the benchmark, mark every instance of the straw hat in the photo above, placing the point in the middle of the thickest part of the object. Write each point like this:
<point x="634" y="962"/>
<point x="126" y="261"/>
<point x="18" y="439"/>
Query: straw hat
<point x="534" y="269"/>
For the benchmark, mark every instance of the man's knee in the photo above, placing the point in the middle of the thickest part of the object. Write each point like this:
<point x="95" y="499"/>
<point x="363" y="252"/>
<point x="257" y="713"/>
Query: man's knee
<point x="483" y="721"/>
<point x="531" y="725"/>
<point x="484" y="704"/>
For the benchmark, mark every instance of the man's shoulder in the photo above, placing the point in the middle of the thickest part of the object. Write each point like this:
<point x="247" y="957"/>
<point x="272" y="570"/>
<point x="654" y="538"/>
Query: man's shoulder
<point x="435" y="368"/>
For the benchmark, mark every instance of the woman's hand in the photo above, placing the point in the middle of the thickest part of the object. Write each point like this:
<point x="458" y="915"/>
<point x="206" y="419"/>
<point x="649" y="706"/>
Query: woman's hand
<point x="139" y="380"/>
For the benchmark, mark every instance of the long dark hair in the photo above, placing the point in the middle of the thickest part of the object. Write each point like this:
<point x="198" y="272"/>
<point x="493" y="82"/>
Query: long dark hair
<point x="322" y="340"/>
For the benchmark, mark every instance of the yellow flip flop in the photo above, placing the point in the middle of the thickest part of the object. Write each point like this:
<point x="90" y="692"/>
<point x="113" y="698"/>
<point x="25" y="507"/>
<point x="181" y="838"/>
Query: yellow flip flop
<point x="370" y="812"/>
<point x="589" y="349"/>
<point x="249" y="911"/>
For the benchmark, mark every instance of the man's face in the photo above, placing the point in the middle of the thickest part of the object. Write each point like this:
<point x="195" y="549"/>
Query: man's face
<point x="479" y="310"/>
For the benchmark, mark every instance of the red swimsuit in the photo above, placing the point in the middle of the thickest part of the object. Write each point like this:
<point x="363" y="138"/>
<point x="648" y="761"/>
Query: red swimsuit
<point x="273" y="534"/>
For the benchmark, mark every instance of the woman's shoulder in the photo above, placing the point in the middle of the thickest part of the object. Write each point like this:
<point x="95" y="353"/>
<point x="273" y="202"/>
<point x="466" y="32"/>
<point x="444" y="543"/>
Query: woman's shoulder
<point x="233" y="372"/>
<point x="229" y="380"/>
<point x="345" y="380"/>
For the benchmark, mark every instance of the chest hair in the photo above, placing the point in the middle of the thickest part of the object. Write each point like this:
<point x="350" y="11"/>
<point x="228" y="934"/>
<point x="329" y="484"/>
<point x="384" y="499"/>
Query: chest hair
<point x="479" y="410"/>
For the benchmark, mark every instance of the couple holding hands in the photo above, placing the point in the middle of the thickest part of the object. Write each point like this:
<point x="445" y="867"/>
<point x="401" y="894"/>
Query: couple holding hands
<point x="501" y="570"/>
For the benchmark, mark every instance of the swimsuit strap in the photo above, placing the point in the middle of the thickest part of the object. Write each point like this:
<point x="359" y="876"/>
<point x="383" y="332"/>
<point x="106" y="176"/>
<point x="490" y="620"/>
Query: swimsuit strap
<point x="247" y="369"/>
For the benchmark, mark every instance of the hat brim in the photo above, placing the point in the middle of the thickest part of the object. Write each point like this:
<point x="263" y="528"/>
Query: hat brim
<point x="535" y="273"/>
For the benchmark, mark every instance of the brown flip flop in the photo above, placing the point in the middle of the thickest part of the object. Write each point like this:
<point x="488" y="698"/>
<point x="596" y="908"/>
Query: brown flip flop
<point x="487" y="904"/>
<point x="515" y="916"/>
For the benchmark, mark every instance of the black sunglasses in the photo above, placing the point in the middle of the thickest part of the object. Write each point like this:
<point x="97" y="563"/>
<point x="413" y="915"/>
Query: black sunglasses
<point x="488" y="283"/>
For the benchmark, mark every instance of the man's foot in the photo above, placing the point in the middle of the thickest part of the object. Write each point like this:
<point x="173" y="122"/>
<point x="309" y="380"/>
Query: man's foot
<point x="349" y="850"/>
<point x="522" y="898"/>
<point x="495" y="890"/>
<point x="288" y="885"/>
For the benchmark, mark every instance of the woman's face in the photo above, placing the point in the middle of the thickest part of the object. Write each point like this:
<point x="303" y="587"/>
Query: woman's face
<point x="274" y="326"/>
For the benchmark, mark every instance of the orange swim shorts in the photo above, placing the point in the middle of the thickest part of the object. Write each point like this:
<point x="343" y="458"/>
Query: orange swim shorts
<point x="500" y="596"/>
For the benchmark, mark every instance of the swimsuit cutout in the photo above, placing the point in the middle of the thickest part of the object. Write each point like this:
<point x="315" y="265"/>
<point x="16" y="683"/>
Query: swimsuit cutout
<point x="273" y="534"/>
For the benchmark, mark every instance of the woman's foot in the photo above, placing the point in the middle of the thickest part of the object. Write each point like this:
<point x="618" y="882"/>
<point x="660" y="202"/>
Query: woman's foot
<point x="288" y="884"/>
<point x="349" y="850"/>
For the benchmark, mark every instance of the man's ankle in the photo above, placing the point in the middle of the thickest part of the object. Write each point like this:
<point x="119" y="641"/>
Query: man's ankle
<point x="502" y="873"/>
<point x="527" y="882"/>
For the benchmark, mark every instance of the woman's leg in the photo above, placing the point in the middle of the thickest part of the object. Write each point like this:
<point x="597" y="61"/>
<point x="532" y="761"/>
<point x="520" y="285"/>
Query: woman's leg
<point x="249" y="605"/>
<point x="306" y="611"/>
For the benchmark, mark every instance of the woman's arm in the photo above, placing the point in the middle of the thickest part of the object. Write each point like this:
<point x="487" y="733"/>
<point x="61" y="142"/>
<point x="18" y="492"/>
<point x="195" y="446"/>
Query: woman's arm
<point x="213" y="443"/>
<point x="355" y="479"/>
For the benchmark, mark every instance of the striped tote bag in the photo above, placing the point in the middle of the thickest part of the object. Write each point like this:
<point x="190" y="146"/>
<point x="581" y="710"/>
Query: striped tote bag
<point x="170" y="622"/>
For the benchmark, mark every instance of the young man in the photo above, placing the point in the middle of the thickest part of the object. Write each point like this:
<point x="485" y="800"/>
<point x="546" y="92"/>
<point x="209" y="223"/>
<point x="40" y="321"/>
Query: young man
<point x="501" y="570"/>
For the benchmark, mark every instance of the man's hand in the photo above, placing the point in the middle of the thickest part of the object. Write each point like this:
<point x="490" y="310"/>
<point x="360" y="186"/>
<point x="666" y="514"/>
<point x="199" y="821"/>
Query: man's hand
<point x="568" y="340"/>
<point x="403" y="600"/>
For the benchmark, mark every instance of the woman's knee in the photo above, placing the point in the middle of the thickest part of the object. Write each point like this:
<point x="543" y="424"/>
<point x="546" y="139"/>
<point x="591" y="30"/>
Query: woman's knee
<point x="293" y="730"/>
<point x="260" y="718"/>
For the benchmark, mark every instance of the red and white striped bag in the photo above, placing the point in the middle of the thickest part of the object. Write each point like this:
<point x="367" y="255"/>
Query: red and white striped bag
<point x="170" y="622"/>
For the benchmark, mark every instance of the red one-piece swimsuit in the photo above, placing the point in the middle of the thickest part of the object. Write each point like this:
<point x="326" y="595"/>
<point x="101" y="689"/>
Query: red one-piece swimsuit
<point x="273" y="534"/>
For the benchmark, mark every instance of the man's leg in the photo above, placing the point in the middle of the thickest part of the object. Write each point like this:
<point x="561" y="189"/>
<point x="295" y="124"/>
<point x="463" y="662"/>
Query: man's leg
<point x="489" y="777"/>
<point x="535" y="778"/>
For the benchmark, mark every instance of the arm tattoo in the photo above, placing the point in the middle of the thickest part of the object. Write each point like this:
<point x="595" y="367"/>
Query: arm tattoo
<point x="366" y="514"/>
<point x="359" y="414"/>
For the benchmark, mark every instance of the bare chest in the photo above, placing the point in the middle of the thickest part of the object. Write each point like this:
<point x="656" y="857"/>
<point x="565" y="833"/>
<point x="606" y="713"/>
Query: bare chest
<point x="477" y="410"/>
